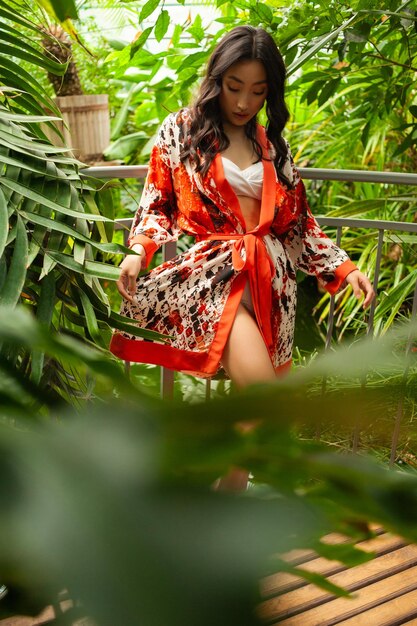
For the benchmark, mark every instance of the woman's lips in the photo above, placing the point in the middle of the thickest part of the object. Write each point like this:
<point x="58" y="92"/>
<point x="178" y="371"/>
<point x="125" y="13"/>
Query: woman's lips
<point x="241" y="115"/>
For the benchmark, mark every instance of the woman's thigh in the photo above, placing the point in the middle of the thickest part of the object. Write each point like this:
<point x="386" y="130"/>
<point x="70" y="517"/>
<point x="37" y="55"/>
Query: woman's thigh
<point x="245" y="357"/>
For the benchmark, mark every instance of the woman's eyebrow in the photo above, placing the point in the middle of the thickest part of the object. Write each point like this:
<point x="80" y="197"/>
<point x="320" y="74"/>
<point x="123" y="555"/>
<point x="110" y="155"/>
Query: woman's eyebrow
<point x="259" y="82"/>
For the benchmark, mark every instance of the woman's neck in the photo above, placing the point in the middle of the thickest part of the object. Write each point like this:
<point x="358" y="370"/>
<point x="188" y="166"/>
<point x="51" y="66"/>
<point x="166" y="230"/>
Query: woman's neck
<point x="234" y="133"/>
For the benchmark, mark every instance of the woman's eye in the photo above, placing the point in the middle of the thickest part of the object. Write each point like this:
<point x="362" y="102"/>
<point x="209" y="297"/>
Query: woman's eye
<point x="261" y="93"/>
<point x="231" y="89"/>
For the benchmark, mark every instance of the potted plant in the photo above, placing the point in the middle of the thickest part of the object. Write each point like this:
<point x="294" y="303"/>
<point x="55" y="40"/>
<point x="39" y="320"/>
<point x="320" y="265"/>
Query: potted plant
<point x="86" y="119"/>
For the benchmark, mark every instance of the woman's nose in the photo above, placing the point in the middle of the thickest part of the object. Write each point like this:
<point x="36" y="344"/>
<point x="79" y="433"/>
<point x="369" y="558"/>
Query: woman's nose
<point x="242" y="104"/>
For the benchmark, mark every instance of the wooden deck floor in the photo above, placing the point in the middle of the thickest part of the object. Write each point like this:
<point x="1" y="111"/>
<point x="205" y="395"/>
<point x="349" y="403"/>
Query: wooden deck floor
<point x="384" y="589"/>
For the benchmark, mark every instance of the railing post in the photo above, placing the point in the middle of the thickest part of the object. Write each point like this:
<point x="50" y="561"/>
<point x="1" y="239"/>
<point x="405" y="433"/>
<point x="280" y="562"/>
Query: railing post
<point x="376" y="279"/>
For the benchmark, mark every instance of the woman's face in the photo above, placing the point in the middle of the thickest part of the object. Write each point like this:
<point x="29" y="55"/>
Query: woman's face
<point x="243" y="92"/>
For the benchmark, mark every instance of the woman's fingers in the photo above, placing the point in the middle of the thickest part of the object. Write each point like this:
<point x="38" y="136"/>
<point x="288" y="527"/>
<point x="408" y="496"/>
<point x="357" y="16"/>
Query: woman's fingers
<point x="121" y="285"/>
<point x="131" y="284"/>
<point x="361" y="284"/>
<point x="126" y="284"/>
<point x="369" y="292"/>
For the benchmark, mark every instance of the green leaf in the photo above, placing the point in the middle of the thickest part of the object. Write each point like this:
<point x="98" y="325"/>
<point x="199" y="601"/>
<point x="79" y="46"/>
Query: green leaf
<point x="37" y="58"/>
<point x="13" y="16"/>
<point x="17" y="76"/>
<point x="413" y="110"/>
<point x="148" y="8"/>
<point x="32" y="195"/>
<point x="15" y="117"/>
<point x="17" y="271"/>
<point x="102" y="270"/>
<point x="197" y="30"/>
<point x="320" y="43"/>
<point x="91" y="268"/>
<point x="125" y="145"/>
<point x="63" y="9"/>
<point x="12" y="140"/>
<point x="44" y="315"/>
<point x="162" y="24"/>
<point x="176" y="34"/>
<point x="36" y="166"/>
<point x="137" y="46"/>
<point x="347" y="553"/>
<point x="79" y="252"/>
<point x="130" y="327"/>
<point x="394" y="300"/>
<point x="121" y="117"/>
<point x="314" y="578"/>
<point x="328" y="90"/>
<point x="90" y="202"/>
<point x="3" y="272"/>
<point x="101" y="294"/>
<point x="4" y="222"/>
<point x="60" y="227"/>
<point x="263" y="11"/>
<point x="192" y="60"/>
<point x="91" y="319"/>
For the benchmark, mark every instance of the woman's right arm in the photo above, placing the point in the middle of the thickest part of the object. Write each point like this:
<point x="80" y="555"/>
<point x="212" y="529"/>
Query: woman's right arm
<point x="131" y="266"/>
<point x="155" y="221"/>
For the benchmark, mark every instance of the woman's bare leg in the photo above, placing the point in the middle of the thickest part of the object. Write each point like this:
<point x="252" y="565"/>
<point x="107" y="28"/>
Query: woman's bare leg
<point x="246" y="361"/>
<point x="245" y="356"/>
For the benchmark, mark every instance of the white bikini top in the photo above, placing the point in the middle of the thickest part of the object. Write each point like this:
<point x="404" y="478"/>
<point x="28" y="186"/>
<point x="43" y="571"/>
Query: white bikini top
<point x="247" y="182"/>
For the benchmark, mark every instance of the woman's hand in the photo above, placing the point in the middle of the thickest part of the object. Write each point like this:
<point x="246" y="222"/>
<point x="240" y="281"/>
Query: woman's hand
<point x="361" y="283"/>
<point x="131" y="266"/>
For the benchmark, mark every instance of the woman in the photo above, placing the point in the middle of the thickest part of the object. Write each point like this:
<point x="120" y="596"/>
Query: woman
<point x="214" y="173"/>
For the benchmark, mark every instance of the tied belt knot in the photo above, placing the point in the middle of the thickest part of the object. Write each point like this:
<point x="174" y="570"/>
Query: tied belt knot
<point x="260" y="269"/>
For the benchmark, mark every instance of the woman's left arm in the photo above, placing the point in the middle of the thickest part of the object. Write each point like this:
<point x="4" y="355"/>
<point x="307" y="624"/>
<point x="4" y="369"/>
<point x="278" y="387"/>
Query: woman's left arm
<point x="314" y="253"/>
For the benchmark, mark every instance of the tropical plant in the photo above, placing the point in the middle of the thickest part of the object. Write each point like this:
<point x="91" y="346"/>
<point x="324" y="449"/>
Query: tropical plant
<point x="56" y="227"/>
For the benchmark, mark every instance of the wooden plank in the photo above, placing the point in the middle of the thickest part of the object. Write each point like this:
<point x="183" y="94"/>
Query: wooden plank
<point x="295" y="557"/>
<point x="390" y="613"/>
<point x="281" y="583"/>
<point x="340" y="609"/>
<point x="351" y="579"/>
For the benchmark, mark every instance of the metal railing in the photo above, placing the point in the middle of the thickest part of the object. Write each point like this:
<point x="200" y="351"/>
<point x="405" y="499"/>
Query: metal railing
<point x="381" y="226"/>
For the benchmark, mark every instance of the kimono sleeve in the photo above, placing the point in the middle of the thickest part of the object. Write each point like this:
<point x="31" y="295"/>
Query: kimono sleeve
<point x="155" y="221"/>
<point x="310" y="249"/>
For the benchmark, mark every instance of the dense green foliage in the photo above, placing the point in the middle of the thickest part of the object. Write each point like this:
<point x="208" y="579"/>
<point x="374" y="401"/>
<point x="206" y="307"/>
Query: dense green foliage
<point x="56" y="229"/>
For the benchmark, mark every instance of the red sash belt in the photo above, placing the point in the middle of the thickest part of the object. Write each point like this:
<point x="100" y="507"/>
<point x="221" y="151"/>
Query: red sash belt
<point x="260" y="270"/>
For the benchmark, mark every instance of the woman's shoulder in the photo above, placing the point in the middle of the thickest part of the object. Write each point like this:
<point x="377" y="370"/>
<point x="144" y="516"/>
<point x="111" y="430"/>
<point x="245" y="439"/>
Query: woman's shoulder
<point x="177" y="118"/>
<point x="171" y="130"/>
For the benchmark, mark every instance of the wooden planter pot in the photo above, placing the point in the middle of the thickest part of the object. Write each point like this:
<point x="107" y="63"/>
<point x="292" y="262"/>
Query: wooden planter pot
<point x="85" y="126"/>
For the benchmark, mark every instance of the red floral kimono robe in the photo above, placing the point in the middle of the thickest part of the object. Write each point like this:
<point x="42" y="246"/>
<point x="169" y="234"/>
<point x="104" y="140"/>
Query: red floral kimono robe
<point x="193" y="298"/>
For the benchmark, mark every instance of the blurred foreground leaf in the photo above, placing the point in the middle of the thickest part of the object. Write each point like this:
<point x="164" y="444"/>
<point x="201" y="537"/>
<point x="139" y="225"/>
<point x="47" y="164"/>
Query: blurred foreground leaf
<point x="112" y="501"/>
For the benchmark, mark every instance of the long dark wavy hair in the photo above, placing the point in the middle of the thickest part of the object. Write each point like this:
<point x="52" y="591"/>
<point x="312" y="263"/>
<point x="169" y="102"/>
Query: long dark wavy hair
<point x="204" y="133"/>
